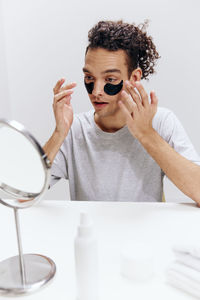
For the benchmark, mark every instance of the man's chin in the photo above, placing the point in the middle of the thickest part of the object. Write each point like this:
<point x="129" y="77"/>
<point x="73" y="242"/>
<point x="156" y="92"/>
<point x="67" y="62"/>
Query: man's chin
<point x="105" y="114"/>
<point x="101" y="113"/>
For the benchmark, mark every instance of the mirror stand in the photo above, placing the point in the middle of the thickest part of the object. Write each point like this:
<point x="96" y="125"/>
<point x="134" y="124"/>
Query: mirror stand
<point x="24" y="174"/>
<point x="24" y="273"/>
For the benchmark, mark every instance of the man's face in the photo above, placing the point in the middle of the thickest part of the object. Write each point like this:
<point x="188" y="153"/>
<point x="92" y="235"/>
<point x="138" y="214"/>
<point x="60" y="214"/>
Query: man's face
<point x="102" y="67"/>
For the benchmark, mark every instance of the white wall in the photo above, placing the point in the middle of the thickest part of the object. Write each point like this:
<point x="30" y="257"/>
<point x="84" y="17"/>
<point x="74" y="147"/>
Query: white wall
<point x="46" y="40"/>
<point x="5" y="109"/>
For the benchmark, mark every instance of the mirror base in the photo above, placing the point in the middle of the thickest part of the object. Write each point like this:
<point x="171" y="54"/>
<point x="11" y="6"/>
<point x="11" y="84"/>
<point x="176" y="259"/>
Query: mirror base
<point x="39" y="270"/>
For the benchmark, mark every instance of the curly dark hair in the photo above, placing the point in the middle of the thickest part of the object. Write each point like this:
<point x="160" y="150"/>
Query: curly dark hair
<point x="140" y="49"/>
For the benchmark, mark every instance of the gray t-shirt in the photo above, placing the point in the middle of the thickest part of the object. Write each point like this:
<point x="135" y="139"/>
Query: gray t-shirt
<point x="102" y="166"/>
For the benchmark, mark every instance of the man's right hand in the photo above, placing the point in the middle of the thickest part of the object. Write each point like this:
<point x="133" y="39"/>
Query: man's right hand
<point x="63" y="113"/>
<point x="62" y="107"/>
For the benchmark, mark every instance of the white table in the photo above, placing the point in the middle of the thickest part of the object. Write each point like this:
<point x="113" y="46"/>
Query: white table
<point x="50" y="227"/>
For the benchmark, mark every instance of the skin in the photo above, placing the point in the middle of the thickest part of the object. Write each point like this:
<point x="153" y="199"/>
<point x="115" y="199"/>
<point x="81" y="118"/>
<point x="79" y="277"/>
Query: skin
<point x="131" y="107"/>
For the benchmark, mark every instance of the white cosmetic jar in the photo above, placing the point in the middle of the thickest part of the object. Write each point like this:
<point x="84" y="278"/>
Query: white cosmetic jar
<point x="137" y="262"/>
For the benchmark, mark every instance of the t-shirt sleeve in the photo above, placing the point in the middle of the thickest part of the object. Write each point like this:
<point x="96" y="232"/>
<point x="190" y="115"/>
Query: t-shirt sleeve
<point x="174" y="133"/>
<point x="59" y="168"/>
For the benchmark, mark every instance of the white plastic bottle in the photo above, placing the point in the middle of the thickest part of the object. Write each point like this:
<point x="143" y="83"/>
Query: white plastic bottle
<point x="86" y="260"/>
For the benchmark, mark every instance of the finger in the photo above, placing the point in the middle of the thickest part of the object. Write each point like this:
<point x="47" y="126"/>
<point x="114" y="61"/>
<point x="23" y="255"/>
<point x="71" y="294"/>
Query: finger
<point x="64" y="101"/>
<point x="68" y="86"/>
<point x="58" y="85"/>
<point x="125" y="111"/>
<point x="134" y="94"/>
<point x="128" y="102"/>
<point x="67" y="100"/>
<point x="154" y="99"/>
<point x="61" y="95"/>
<point x="143" y="93"/>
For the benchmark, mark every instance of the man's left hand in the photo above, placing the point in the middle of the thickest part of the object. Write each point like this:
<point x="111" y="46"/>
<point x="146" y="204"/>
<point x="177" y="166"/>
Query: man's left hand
<point x="137" y="109"/>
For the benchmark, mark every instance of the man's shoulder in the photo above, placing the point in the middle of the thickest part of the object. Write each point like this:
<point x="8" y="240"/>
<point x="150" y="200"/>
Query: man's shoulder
<point x="163" y="120"/>
<point x="162" y="115"/>
<point x="163" y="112"/>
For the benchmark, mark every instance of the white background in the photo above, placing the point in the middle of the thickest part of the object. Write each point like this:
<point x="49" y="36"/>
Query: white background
<point x="42" y="41"/>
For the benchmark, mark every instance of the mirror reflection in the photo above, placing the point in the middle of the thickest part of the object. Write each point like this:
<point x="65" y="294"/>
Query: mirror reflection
<point x="24" y="171"/>
<point x="21" y="166"/>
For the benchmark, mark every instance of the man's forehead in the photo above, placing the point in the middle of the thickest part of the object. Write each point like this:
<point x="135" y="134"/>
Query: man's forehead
<point x="106" y="61"/>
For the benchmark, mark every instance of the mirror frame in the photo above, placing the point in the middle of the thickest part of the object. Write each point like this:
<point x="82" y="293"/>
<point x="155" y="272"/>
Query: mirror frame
<point x="45" y="162"/>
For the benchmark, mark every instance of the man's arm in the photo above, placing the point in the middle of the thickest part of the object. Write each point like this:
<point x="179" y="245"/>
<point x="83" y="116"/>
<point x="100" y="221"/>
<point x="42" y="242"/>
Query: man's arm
<point x="53" y="145"/>
<point x="182" y="172"/>
<point x="63" y="113"/>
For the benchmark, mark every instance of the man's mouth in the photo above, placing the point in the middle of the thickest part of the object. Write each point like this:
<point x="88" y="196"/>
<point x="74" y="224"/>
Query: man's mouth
<point x="99" y="102"/>
<point x="99" y="105"/>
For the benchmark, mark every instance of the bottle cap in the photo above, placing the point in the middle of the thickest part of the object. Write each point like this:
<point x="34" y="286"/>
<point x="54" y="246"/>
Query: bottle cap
<point x="85" y="226"/>
<point x="84" y="219"/>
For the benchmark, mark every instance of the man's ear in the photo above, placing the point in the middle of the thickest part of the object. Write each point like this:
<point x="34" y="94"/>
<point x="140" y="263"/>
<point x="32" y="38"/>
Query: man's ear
<point x="136" y="75"/>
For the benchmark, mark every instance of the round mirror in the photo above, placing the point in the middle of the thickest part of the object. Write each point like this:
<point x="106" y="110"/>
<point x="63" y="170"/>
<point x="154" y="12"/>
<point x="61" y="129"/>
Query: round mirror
<point x="24" y="174"/>
<point x="24" y="171"/>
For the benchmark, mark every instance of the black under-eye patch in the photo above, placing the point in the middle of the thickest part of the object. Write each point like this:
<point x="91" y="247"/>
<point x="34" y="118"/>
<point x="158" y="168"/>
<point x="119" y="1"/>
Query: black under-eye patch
<point x="113" y="89"/>
<point x="110" y="89"/>
<point x="89" y="87"/>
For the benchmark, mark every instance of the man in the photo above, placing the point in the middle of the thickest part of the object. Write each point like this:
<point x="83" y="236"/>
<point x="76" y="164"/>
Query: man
<point x="121" y="150"/>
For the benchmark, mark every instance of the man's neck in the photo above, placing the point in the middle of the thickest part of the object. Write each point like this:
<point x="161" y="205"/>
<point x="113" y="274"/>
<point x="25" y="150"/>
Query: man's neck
<point x="110" y="123"/>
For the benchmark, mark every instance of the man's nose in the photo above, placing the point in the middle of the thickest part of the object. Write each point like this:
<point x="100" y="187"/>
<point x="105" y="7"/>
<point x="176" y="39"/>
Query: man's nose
<point x="98" y="89"/>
